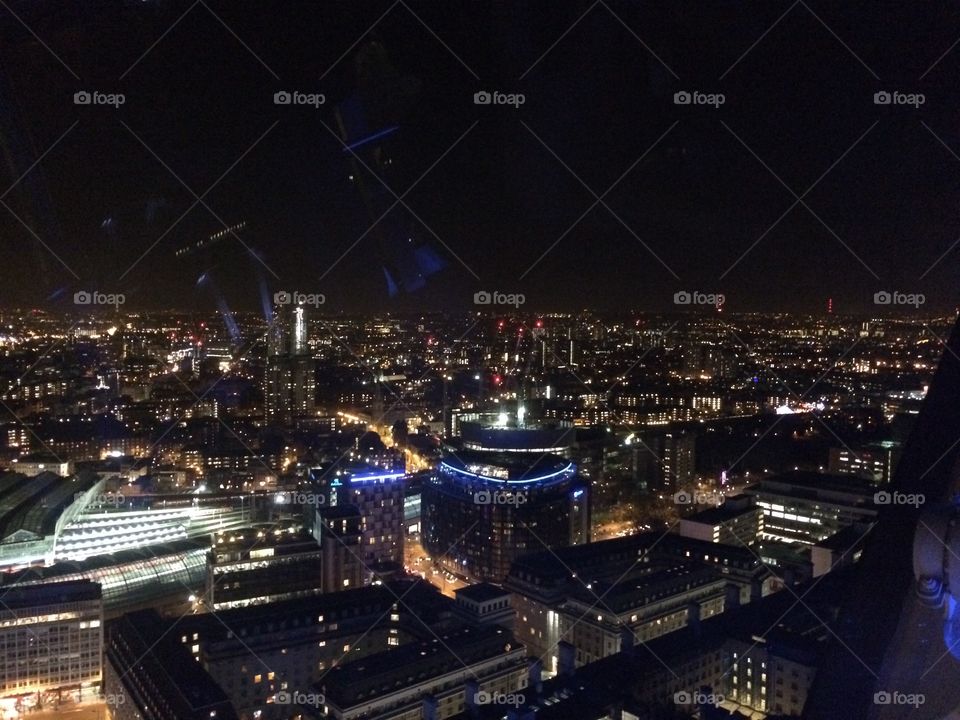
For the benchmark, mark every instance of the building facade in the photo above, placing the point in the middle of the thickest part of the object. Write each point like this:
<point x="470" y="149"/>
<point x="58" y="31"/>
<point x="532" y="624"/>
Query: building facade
<point x="51" y="642"/>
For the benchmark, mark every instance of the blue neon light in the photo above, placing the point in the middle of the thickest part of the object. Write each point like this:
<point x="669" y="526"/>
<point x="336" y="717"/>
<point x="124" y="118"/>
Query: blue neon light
<point x="577" y="493"/>
<point x="570" y="468"/>
<point x="376" y="478"/>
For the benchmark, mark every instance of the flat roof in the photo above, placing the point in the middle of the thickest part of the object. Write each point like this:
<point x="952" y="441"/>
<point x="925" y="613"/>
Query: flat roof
<point x="55" y="593"/>
<point x="717" y="515"/>
<point x="374" y="676"/>
<point x="481" y="592"/>
<point x="819" y="481"/>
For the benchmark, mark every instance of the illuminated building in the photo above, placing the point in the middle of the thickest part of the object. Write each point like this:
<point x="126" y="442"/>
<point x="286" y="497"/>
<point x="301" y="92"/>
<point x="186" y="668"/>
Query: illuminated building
<point x="257" y="565"/>
<point x="875" y="462"/>
<point x="51" y="640"/>
<point x="148" y="576"/>
<point x="34" y="511"/>
<point x="290" y="383"/>
<point x="739" y="521"/>
<point x="503" y="492"/>
<point x="808" y="507"/>
<point x="430" y="679"/>
<point x="648" y="583"/>
<point x="37" y="463"/>
<point x="378" y="495"/>
<point x="253" y="658"/>
<point x="654" y="599"/>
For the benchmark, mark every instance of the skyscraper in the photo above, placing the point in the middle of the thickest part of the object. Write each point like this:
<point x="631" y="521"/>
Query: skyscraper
<point x="502" y="491"/>
<point x="290" y="385"/>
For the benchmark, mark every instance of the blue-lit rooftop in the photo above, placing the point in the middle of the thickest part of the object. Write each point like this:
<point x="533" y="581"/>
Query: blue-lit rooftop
<point x="473" y="468"/>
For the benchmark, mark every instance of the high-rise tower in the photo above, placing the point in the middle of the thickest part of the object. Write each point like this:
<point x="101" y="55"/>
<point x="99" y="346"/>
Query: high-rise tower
<point x="290" y="384"/>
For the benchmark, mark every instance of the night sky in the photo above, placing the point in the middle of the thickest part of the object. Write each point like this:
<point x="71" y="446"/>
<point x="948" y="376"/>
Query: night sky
<point x="702" y="184"/>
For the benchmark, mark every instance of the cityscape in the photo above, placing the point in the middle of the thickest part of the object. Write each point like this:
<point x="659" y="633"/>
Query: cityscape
<point x="420" y="361"/>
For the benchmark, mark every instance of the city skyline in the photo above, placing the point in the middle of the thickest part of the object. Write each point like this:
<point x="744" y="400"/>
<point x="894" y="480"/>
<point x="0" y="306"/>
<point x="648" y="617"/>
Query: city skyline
<point x="395" y="360"/>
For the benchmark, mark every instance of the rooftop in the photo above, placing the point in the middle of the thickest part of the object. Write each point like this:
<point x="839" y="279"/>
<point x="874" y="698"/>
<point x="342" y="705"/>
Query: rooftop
<point x="28" y="596"/>
<point x="481" y="592"/>
<point x="30" y="507"/>
<point x="396" y="670"/>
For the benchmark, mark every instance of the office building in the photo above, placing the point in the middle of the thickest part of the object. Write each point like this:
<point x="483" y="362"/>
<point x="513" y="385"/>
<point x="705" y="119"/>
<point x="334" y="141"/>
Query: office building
<point x="739" y="521"/>
<point x="51" y="642"/>
<point x="262" y="564"/>
<point x="874" y="462"/>
<point x="806" y="507"/>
